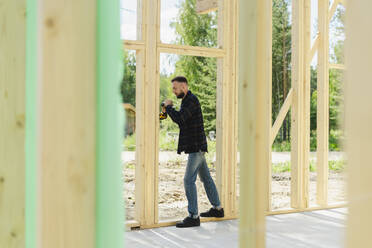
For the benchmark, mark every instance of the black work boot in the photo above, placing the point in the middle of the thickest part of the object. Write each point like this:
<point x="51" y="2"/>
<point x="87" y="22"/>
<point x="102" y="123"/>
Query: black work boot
<point x="213" y="212"/>
<point x="189" y="222"/>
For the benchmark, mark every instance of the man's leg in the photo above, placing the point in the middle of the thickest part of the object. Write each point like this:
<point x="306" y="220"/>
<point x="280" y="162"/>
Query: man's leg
<point x="192" y="167"/>
<point x="211" y="190"/>
<point x="209" y="185"/>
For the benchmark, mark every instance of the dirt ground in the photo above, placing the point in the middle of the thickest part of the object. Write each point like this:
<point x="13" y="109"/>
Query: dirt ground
<point x="172" y="199"/>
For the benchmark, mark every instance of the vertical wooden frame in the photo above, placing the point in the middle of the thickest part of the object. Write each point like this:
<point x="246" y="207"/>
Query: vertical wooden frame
<point x="269" y="26"/>
<point x="301" y="104"/>
<point x="226" y="151"/>
<point x="66" y="147"/>
<point x="358" y="121"/>
<point x="253" y="120"/>
<point x="323" y="103"/>
<point x="12" y="123"/>
<point x="147" y="97"/>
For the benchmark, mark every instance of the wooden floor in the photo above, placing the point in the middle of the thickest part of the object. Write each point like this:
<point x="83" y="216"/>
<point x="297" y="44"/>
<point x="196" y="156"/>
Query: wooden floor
<point x="318" y="229"/>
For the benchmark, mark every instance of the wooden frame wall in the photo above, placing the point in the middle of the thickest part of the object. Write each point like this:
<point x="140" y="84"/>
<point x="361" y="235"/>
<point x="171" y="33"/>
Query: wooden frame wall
<point x="149" y="47"/>
<point x="298" y="99"/>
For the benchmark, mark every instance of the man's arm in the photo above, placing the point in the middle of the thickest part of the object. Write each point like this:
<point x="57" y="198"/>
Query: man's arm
<point x="179" y="117"/>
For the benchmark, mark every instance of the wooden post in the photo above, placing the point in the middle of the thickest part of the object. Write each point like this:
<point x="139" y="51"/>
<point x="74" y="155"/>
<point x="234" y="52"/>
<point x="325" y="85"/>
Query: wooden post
<point x="66" y="143"/>
<point x="358" y="118"/>
<point x="12" y="123"/>
<point x="147" y="99"/>
<point x="226" y="153"/>
<point x="269" y="71"/>
<point x="79" y="145"/>
<point x="323" y="104"/>
<point x="300" y="140"/>
<point x="254" y="111"/>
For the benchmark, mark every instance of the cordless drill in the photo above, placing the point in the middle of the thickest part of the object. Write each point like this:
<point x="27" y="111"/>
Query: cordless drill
<point x="163" y="114"/>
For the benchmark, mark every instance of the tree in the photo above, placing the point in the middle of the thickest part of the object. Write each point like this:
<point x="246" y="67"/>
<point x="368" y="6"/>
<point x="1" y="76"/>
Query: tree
<point x="128" y="84"/>
<point x="198" y="30"/>
<point x="281" y="52"/>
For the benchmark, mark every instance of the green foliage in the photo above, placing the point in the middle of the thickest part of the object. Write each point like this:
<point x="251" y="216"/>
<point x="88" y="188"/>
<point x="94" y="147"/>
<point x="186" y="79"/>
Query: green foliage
<point x="281" y="62"/>
<point x="198" y="30"/>
<point x="130" y="142"/>
<point x="284" y="146"/>
<point x="281" y="167"/>
<point x="167" y="143"/>
<point x="128" y="84"/>
<point x="336" y="166"/>
<point x="336" y="139"/>
<point x="201" y="30"/>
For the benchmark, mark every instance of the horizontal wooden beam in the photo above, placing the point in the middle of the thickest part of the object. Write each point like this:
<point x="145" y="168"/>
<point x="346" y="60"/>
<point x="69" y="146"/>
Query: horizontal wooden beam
<point x="191" y="50"/>
<point x="337" y="66"/>
<point x="172" y="222"/>
<point x="133" y="45"/>
<point x="316" y="208"/>
<point x="281" y="116"/>
<point x="206" y="6"/>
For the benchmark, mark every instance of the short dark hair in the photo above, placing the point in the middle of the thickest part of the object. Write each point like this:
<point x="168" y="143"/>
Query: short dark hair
<point x="180" y="79"/>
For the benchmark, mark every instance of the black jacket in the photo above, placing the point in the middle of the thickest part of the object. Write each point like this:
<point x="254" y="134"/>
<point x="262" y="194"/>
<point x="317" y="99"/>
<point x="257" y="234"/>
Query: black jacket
<point x="190" y="121"/>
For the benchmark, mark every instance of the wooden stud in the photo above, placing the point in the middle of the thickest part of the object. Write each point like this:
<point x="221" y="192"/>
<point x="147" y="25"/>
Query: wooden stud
<point x="254" y="111"/>
<point x="281" y="116"/>
<point x="226" y="149"/>
<point x="12" y="123"/>
<point x="147" y="117"/>
<point x="358" y="122"/>
<point x="323" y="104"/>
<point x="66" y="168"/>
<point x="307" y="100"/>
<point x="206" y="6"/>
<point x="300" y="142"/>
<point x="269" y="27"/>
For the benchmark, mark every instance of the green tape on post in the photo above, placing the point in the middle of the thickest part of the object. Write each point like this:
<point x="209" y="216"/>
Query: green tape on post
<point x="110" y="210"/>
<point x="30" y="139"/>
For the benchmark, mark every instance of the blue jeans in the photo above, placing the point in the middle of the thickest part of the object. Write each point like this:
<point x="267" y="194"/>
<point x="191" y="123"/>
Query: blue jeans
<point x="196" y="164"/>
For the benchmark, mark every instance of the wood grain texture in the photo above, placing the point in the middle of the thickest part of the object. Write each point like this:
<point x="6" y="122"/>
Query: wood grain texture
<point x="12" y="122"/>
<point x="67" y="79"/>
<point x="254" y="111"/>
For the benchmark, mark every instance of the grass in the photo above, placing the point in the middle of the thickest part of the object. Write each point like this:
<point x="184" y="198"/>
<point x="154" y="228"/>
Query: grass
<point x="336" y="166"/>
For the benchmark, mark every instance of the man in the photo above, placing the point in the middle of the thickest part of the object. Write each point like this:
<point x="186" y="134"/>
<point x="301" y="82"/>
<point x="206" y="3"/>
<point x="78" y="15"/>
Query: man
<point x="192" y="141"/>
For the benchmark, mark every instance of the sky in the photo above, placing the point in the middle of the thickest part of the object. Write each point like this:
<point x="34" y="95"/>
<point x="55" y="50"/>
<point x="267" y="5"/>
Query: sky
<point x="169" y="11"/>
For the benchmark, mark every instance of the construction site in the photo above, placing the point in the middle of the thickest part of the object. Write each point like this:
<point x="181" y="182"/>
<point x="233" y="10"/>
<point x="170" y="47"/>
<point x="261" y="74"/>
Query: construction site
<point x="93" y="123"/>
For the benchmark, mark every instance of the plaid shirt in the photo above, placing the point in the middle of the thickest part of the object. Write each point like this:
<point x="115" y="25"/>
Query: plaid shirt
<point x="190" y="121"/>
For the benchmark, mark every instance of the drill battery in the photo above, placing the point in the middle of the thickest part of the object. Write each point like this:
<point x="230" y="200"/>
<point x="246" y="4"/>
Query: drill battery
<point x="163" y="114"/>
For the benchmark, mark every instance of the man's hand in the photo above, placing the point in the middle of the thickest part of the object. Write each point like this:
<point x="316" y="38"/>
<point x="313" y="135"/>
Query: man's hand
<point x="168" y="102"/>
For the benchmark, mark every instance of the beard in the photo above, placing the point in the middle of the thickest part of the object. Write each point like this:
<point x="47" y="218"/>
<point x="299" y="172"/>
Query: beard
<point x="181" y="95"/>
